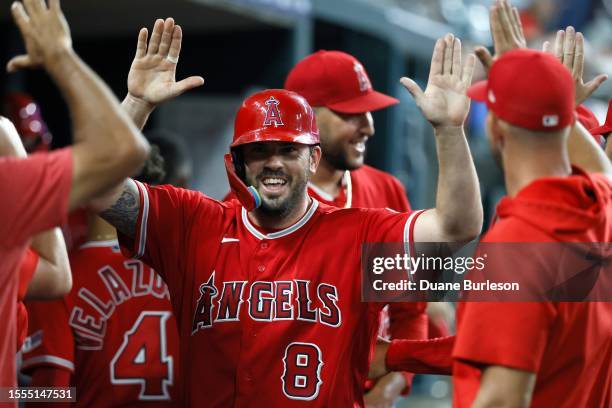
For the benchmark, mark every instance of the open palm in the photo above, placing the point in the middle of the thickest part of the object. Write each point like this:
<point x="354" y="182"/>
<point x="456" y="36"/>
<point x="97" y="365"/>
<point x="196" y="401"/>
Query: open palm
<point x="152" y="76"/>
<point x="445" y="102"/>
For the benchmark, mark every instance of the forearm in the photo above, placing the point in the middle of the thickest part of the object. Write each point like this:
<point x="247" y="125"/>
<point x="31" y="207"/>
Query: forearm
<point x="585" y="153"/>
<point x="137" y="109"/>
<point x="458" y="205"/>
<point x="433" y="356"/>
<point x="52" y="278"/>
<point x="609" y="148"/>
<point x="92" y="105"/>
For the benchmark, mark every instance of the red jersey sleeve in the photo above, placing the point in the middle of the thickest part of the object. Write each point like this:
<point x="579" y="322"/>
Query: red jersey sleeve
<point x="35" y="193"/>
<point x="50" y="342"/>
<point x="512" y="334"/>
<point x="167" y="218"/>
<point x="26" y="271"/>
<point x="386" y="225"/>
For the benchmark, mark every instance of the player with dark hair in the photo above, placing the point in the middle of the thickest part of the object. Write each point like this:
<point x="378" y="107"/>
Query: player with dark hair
<point x="269" y="313"/>
<point x="38" y="191"/>
<point x="177" y="164"/>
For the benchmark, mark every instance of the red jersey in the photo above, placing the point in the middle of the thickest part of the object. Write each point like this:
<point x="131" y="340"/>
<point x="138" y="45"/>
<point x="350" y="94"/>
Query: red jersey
<point x="26" y="272"/>
<point x="35" y="196"/>
<point x="114" y="332"/>
<point x="568" y="345"/>
<point x="368" y="187"/>
<point x="265" y="319"/>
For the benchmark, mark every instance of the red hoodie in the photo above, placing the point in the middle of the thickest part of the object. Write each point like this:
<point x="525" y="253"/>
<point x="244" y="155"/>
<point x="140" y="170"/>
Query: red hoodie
<point x="568" y="345"/>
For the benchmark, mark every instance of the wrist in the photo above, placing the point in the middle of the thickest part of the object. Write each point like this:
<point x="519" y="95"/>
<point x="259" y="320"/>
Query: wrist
<point x="137" y="104"/>
<point x="444" y="130"/>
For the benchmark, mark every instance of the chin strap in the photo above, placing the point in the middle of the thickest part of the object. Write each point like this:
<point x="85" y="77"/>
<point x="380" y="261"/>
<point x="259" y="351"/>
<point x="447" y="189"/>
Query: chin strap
<point x="248" y="196"/>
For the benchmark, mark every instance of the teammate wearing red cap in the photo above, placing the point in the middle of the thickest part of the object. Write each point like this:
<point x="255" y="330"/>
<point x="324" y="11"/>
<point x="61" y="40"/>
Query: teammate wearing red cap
<point x="338" y="88"/>
<point x="38" y="191"/>
<point x="546" y="354"/>
<point x="269" y="313"/>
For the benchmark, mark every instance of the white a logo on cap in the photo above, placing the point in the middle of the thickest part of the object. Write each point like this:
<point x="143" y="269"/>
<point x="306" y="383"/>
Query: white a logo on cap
<point x="550" y="120"/>
<point x="364" y="82"/>
<point x="273" y="115"/>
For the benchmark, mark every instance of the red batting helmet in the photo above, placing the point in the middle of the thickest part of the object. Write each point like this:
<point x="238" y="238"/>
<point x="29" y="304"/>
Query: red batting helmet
<point x="273" y="115"/>
<point x="25" y="114"/>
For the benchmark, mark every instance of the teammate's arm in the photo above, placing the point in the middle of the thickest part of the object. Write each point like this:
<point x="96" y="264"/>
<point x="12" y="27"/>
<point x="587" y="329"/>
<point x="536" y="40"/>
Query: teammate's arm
<point x="504" y="387"/>
<point x="583" y="151"/>
<point x="52" y="276"/>
<point x="107" y="145"/>
<point x="151" y="81"/>
<point x="458" y="214"/>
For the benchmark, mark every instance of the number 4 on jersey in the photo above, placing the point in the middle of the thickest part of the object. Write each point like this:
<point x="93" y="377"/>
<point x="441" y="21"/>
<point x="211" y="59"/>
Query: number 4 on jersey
<point x="143" y="357"/>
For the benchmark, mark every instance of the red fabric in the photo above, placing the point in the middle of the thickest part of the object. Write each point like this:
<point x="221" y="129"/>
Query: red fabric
<point x="337" y="80"/>
<point x="26" y="272"/>
<point x="372" y="188"/>
<point x="530" y="89"/>
<point x="431" y="356"/>
<point x="606" y="128"/>
<point x="93" y="330"/>
<point x="238" y="347"/>
<point x="35" y="193"/>
<point x="567" y="344"/>
<point x="50" y="377"/>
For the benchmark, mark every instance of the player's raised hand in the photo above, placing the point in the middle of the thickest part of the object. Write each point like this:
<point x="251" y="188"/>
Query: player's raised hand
<point x="44" y="30"/>
<point x="569" y="49"/>
<point x="444" y="102"/>
<point x="507" y="32"/>
<point x="152" y="77"/>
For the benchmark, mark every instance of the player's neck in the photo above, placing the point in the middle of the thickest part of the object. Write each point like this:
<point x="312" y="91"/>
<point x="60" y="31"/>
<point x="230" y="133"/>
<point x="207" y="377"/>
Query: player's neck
<point x="100" y="230"/>
<point x="521" y="170"/>
<point x="277" y="222"/>
<point x="328" y="178"/>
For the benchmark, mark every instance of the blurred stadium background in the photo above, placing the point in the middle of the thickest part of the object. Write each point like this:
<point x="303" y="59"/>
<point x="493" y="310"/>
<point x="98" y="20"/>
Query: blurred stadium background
<point x="240" y="46"/>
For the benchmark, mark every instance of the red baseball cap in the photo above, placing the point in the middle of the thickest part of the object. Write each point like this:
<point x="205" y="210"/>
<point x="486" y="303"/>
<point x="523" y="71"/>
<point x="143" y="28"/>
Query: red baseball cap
<point x="338" y="81"/>
<point x="529" y="89"/>
<point x="607" y="126"/>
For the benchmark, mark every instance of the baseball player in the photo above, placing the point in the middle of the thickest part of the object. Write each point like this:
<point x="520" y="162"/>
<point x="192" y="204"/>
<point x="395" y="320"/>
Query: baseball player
<point x="41" y="189"/>
<point x="544" y="354"/>
<point x="338" y="88"/>
<point x="114" y="336"/>
<point x="269" y="313"/>
<point x="605" y="130"/>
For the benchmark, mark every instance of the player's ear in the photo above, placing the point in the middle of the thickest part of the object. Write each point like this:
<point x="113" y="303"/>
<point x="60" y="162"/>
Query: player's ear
<point x="315" y="158"/>
<point x="495" y="130"/>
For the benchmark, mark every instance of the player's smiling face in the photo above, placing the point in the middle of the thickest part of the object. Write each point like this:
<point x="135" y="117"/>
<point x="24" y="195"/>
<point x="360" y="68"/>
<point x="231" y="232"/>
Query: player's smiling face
<point x="344" y="137"/>
<point x="280" y="172"/>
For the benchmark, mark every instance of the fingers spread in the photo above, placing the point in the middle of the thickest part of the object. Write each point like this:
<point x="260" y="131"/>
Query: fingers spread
<point x="484" y="56"/>
<point x="21" y="18"/>
<point x="497" y="31"/>
<point x="32" y="7"/>
<point x="559" y="40"/>
<point x="141" y="46"/>
<point x="54" y="5"/>
<point x="413" y="88"/>
<point x="188" y="83"/>
<point x="158" y="28"/>
<point x="568" y="47"/>
<point x="518" y="26"/>
<point x="578" y="63"/>
<point x="175" y="45"/>
<point x="504" y="14"/>
<point x="437" y="59"/>
<point x="18" y="62"/>
<point x="456" y="67"/>
<point x="468" y="70"/>
<point x="166" y="37"/>
<point x="448" y="54"/>
<point x="592" y="85"/>
<point x="546" y="47"/>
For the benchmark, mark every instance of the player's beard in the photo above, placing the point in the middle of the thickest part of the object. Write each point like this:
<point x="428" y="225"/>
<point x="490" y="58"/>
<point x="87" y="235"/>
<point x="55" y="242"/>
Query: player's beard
<point x="336" y="154"/>
<point x="283" y="205"/>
